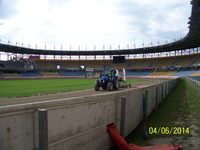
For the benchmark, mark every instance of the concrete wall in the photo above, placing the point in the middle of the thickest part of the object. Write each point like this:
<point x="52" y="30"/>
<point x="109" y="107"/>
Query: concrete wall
<point x="79" y="123"/>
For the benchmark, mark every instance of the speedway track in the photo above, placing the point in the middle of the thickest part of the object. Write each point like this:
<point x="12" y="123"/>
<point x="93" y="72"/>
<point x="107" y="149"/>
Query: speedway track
<point x="49" y="97"/>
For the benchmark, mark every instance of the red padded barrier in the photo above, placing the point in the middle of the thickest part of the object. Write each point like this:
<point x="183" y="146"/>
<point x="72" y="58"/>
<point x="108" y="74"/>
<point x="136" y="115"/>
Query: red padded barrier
<point x="121" y="144"/>
<point x="116" y="138"/>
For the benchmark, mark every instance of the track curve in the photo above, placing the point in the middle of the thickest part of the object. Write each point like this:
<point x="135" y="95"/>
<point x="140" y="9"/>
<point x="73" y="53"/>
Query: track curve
<point x="40" y="98"/>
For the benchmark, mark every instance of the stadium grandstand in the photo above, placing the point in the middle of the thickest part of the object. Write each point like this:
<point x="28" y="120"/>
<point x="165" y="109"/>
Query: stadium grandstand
<point x="179" y="58"/>
<point x="137" y="98"/>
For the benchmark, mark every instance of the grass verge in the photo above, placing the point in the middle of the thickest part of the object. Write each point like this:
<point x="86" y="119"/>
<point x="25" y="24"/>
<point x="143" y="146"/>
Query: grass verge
<point x="179" y="109"/>
<point x="23" y="88"/>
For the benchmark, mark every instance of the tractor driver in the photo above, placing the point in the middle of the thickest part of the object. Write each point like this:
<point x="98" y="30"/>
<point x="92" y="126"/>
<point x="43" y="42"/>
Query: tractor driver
<point x="116" y="72"/>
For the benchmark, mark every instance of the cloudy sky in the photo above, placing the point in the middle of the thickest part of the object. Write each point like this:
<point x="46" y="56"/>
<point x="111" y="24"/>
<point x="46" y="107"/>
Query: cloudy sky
<point x="93" y="22"/>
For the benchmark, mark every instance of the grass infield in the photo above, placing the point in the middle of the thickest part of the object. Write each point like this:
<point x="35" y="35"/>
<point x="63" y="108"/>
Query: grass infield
<point x="23" y="88"/>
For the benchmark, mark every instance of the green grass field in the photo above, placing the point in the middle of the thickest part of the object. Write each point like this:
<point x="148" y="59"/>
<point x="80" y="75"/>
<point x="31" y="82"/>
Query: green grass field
<point x="179" y="109"/>
<point x="23" y="88"/>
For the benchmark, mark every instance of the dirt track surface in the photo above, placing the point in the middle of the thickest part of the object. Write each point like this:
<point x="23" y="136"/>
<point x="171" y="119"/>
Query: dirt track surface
<point x="22" y="100"/>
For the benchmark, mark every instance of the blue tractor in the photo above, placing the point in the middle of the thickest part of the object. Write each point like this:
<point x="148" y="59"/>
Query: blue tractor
<point x="107" y="81"/>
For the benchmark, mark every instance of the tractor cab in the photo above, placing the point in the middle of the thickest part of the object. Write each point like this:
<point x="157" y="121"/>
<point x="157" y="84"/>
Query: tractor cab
<point x="108" y="72"/>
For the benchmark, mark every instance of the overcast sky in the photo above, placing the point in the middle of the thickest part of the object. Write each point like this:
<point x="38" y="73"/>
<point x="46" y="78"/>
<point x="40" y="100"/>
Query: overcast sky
<point x="93" y="22"/>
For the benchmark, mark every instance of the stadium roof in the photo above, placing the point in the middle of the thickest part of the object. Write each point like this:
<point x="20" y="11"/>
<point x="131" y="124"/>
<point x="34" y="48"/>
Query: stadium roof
<point x="191" y="40"/>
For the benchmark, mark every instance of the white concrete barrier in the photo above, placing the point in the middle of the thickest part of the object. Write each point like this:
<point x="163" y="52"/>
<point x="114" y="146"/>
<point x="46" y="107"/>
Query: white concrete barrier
<point x="78" y="123"/>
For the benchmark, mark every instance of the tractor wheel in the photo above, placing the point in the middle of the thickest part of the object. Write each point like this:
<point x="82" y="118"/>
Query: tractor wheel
<point x="110" y="86"/>
<point x="129" y="85"/>
<point x="97" y="87"/>
<point x="104" y="87"/>
<point x="116" y="85"/>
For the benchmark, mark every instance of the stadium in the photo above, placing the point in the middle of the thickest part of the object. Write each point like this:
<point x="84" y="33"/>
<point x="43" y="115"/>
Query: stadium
<point x="48" y="99"/>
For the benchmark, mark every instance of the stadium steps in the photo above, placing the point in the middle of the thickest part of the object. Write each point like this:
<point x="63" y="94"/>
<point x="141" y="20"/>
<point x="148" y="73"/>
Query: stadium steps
<point x="196" y="74"/>
<point x="195" y="59"/>
<point x="162" y="73"/>
<point x="175" y="61"/>
<point x="30" y="74"/>
<point x="184" y="73"/>
<point x="72" y="73"/>
<point x="50" y="74"/>
<point x="137" y="73"/>
<point x="9" y="75"/>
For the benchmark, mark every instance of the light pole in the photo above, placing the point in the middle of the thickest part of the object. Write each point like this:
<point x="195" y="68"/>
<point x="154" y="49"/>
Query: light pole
<point x="45" y="49"/>
<point x="61" y="50"/>
<point x="70" y="57"/>
<point x="128" y="46"/>
<point x="103" y="50"/>
<point x="79" y="47"/>
<point x="85" y="50"/>
<point x="110" y="49"/>
<point x="8" y="53"/>
<point x="94" y="50"/>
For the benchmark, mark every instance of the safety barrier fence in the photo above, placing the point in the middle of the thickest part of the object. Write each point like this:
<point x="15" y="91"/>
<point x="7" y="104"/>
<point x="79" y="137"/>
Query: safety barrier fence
<point x="78" y="123"/>
<point x="196" y="82"/>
